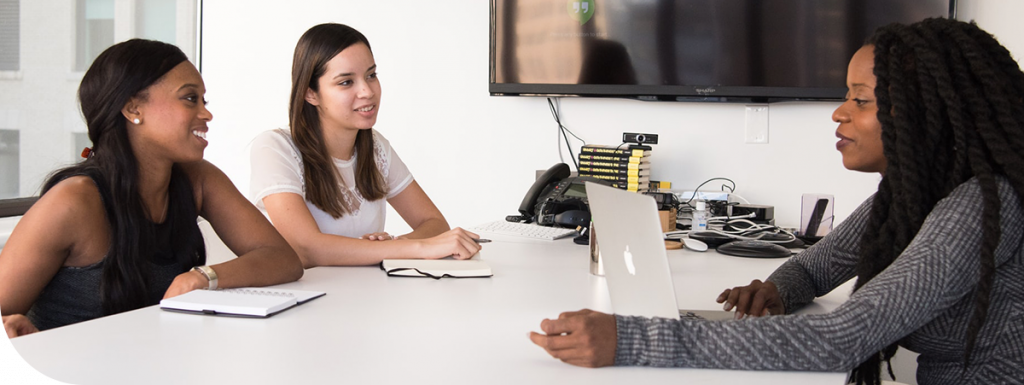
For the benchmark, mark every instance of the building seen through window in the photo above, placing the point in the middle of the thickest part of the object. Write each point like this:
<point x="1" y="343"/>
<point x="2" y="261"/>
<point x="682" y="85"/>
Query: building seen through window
<point x="45" y="48"/>
<point x="9" y="32"/>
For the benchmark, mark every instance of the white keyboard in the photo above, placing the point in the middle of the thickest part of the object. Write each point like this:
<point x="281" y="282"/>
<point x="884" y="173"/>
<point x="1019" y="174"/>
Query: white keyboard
<point x="524" y="230"/>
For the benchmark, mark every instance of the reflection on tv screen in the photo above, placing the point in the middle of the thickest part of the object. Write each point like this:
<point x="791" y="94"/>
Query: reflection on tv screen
<point x="745" y="43"/>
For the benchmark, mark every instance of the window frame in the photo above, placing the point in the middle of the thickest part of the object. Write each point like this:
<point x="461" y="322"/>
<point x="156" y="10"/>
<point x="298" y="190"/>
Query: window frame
<point x="13" y="207"/>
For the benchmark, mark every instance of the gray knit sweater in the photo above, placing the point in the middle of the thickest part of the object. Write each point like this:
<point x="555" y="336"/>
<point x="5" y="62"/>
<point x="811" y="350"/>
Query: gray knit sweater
<point x="923" y="301"/>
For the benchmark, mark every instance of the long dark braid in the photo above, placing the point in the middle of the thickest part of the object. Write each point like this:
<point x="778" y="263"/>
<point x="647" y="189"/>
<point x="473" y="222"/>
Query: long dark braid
<point x="949" y="102"/>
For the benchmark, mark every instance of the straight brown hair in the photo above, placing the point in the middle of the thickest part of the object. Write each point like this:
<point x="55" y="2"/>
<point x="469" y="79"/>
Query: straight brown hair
<point x="324" y="186"/>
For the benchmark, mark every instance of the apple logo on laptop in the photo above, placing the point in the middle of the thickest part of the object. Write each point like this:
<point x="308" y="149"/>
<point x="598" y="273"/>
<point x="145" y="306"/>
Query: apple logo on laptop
<point x="629" y="261"/>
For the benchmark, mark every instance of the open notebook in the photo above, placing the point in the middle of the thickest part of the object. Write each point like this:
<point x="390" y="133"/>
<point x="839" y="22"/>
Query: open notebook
<point x="436" y="268"/>
<point x="241" y="302"/>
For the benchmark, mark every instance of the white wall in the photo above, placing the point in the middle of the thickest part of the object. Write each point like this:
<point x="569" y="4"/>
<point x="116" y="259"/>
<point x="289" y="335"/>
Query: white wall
<point x="1001" y="18"/>
<point x="474" y="154"/>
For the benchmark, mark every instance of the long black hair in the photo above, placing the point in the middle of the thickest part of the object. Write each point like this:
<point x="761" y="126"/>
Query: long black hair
<point x="121" y="72"/>
<point x="950" y="104"/>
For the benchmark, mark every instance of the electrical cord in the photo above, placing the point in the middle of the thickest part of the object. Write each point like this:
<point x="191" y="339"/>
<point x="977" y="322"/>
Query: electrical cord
<point x="754" y="231"/>
<point x="749" y="229"/>
<point x="732" y="194"/>
<point x="714" y="206"/>
<point x="750" y="226"/>
<point x="563" y="129"/>
<point x="555" y="108"/>
<point x="696" y="190"/>
<point x="685" y="206"/>
<point x="725" y="219"/>
<point x="677" y="235"/>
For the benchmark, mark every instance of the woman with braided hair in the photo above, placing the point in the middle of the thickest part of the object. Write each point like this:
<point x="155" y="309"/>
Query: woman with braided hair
<point x="936" y="108"/>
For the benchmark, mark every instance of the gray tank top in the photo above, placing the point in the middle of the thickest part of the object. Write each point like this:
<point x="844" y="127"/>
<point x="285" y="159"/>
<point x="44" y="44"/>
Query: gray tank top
<point x="74" y="294"/>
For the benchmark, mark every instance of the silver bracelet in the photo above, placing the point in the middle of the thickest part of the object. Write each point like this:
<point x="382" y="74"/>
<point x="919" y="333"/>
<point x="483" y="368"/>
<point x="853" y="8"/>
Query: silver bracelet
<point x="210" y="275"/>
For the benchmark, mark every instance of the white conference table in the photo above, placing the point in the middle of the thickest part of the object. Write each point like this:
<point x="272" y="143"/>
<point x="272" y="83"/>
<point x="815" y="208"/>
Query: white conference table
<point x="371" y="328"/>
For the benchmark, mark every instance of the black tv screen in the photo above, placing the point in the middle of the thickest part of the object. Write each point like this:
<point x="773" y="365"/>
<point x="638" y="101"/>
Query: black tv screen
<point x="687" y="50"/>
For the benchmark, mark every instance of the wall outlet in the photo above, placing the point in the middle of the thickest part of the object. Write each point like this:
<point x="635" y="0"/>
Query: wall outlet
<point x="756" y="131"/>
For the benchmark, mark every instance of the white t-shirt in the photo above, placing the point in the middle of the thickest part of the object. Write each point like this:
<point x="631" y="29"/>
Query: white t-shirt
<point x="277" y="168"/>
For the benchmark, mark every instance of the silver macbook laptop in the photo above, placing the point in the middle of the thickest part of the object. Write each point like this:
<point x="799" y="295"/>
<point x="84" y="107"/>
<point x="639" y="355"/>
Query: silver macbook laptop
<point x="633" y="251"/>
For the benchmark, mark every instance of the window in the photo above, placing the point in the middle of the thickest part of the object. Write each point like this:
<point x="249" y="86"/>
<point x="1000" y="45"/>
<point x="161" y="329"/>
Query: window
<point x="35" y="140"/>
<point x="155" y="19"/>
<point x="10" y="29"/>
<point x="9" y="164"/>
<point x="95" y="30"/>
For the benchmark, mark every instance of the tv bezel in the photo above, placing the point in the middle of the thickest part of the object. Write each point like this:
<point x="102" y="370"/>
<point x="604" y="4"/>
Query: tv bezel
<point x="679" y="93"/>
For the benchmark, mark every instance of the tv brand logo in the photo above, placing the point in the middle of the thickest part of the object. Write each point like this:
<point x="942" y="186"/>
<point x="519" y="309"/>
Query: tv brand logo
<point x="629" y="261"/>
<point x="705" y="91"/>
<point x="581" y="10"/>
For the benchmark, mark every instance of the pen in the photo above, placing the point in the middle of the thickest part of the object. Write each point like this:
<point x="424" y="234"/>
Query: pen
<point x="481" y="240"/>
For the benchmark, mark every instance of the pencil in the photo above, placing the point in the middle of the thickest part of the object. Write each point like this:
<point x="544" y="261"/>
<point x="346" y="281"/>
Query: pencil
<point x="481" y="240"/>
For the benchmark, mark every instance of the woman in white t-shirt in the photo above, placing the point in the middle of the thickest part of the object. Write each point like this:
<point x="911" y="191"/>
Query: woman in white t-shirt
<point x="324" y="182"/>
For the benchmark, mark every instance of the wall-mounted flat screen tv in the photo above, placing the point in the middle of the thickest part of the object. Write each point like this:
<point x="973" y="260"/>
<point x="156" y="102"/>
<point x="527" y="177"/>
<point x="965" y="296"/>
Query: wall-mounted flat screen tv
<point x="687" y="50"/>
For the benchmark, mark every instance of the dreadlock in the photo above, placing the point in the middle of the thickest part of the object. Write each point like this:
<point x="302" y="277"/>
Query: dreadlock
<point x="950" y="105"/>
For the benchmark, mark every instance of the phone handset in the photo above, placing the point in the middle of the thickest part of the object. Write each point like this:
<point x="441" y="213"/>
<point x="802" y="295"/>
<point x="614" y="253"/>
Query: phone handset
<point x="526" y="209"/>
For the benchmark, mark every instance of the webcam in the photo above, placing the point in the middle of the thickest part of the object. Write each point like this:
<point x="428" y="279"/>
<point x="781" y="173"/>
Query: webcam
<point x="629" y="137"/>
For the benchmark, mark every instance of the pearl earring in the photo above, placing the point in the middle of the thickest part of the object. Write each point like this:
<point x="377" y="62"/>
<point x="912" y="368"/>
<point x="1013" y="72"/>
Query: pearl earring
<point x="137" y="121"/>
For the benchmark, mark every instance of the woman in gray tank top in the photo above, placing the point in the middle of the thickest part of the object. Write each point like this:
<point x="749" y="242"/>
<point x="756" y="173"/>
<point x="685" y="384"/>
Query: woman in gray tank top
<point x="119" y="230"/>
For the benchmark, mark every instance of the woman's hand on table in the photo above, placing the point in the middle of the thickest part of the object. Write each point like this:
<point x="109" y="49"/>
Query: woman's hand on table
<point x="17" y="325"/>
<point x="582" y="338"/>
<point x="755" y="300"/>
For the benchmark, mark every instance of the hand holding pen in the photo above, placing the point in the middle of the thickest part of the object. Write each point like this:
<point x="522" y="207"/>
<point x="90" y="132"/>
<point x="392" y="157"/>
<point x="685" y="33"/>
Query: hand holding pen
<point x="457" y="243"/>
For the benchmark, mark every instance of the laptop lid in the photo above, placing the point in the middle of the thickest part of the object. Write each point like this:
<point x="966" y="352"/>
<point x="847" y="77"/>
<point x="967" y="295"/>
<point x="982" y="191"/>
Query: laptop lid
<point x="632" y="247"/>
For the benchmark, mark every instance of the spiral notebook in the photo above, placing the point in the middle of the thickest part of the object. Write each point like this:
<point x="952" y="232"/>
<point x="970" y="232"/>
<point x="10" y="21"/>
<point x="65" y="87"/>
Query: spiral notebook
<point x="242" y="302"/>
